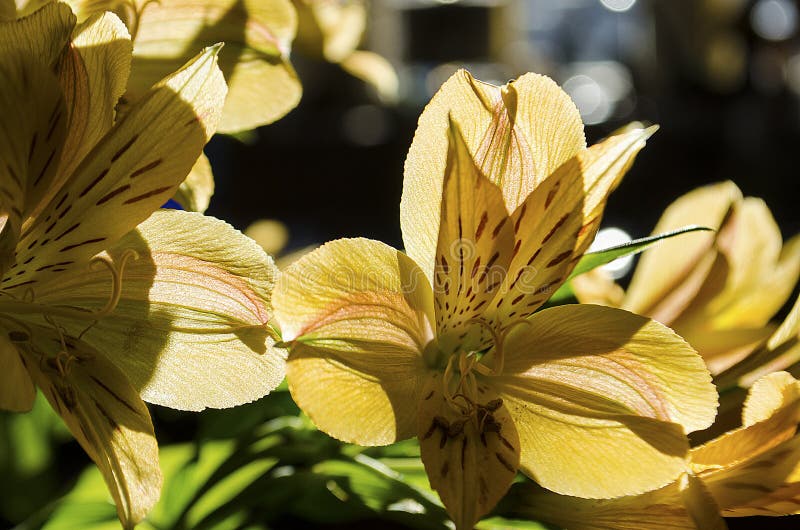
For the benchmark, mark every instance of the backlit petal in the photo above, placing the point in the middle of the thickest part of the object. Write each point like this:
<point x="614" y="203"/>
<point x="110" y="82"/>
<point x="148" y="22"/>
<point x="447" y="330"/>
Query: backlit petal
<point x="582" y="382"/>
<point x="194" y="193"/>
<point x="132" y="171"/>
<point x="743" y="465"/>
<point x="257" y="36"/>
<point x="190" y="329"/>
<point x="519" y="134"/>
<point x="557" y="222"/>
<point x="359" y="313"/>
<point x="474" y="249"/>
<point x="106" y="416"/>
<point x="470" y="459"/>
<point x="93" y="73"/>
<point x="663" y="268"/>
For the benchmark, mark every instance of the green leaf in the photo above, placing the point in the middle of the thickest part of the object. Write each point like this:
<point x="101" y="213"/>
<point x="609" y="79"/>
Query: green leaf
<point x="598" y="258"/>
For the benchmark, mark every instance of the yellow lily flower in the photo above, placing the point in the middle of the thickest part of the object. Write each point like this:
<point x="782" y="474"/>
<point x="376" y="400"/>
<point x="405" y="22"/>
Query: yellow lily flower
<point x="717" y="290"/>
<point x="101" y="299"/>
<point x="752" y="470"/>
<point x="443" y="343"/>
<point x="258" y="34"/>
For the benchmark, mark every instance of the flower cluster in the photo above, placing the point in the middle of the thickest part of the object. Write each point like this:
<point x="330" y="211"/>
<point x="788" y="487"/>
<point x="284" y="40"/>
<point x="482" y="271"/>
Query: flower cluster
<point x="108" y="302"/>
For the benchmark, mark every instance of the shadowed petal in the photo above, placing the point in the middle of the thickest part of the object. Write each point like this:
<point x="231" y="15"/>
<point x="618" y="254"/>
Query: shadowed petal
<point x="190" y="328"/>
<point x="359" y="313"/>
<point x="106" y="416"/>
<point x="583" y="381"/>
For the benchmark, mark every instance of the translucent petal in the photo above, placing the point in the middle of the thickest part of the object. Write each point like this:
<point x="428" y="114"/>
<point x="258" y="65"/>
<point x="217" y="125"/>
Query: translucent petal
<point x="194" y="193"/>
<point x="93" y="74"/>
<point x="106" y="416"/>
<point x="663" y="268"/>
<point x="359" y="313"/>
<point x="519" y="134"/>
<point x="255" y="60"/>
<point x="190" y="330"/>
<point x="582" y="382"/>
<point x="134" y="169"/>
<point x="474" y="249"/>
<point x="557" y="222"/>
<point x="682" y="505"/>
<point x="32" y="131"/>
<point x="42" y="33"/>
<point x="750" y="463"/>
<point x="471" y="458"/>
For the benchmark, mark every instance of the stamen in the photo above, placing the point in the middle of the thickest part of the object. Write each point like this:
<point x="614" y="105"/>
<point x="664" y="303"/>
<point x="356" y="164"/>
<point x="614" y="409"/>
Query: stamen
<point x="116" y="279"/>
<point x="498" y="338"/>
<point x="29" y="306"/>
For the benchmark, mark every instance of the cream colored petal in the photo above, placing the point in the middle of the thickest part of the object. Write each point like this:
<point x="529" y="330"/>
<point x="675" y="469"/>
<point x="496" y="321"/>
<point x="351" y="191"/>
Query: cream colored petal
<point x="32" y="131"/>
<point x="743" y="465"/>
<point x="17" y="392"/>
<point x="768" y="395"/>
<point x="132" y="171"/>
<point x="682" y="505"/>
<point x="359" y="313"/>
<point x="376" y="71"/>
<point x="93" y="73"/>
<point x="656" y="510"/>
<point x="475" y="246"/>
<point x="191" y="327"/>
<point x="765" y="292"/>
<point x="86" y="8"/>
<point x="780" y="352"/>
<point x="106" y="416"/>
<point x="557" y="222"/>
<point x="194" y="193"/>
<point x="471" y="459"/>
<point x="330" y="29"/>
<point x="43" y="33"/>
<point x="519" y="134"/>
<point x="584" y="382"/>
<point x="597" y="287"/>
<point x="664" y="268"/>
<point x="257" y="36"/>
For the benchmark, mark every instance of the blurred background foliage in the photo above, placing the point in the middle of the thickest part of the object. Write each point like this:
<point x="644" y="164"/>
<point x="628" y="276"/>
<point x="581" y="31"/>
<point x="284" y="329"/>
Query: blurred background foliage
<point x="721" y="77"/>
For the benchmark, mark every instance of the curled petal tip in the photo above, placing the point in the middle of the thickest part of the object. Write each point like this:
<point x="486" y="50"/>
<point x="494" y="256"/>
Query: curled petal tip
<point x="650" y="131"/>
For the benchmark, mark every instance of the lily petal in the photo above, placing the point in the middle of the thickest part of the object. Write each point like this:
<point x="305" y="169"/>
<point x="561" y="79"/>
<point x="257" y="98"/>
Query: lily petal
<point x="43" y="33"/>
<point x="190" y="328"/>
<point x="106" y="416"/>
<point x="134" y="169"/>
<point x="17" y="392"/>
<point x="662" y="268"/>
<point x="682" y="505"/>
<point x="257" y="36"/>
<point x="743" y="465"/>
<point x="475" y="245"/>
<point x="93" y="73"/>
<point x="518" y="134"/>
<point x="359" y="313"/>
<point x="471" y="460"/>
<point x="194" y="193"/>
<point x="583" y="381"/>
<point x="32" y="131"/>
<point x="557" y="222"/>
